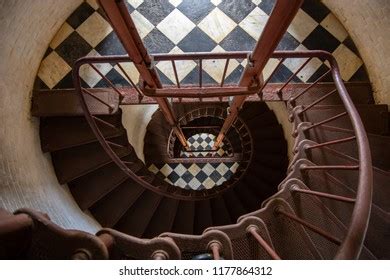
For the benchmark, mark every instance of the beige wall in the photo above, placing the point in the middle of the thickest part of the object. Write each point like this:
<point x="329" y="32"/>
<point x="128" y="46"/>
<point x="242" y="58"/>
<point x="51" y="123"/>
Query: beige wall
<point x="26" y="175"/>
<point x="368" y="23"/>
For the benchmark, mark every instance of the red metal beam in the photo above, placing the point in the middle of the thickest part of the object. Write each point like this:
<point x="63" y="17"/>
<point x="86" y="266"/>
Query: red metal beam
<point x="282" y="15"/>
<point x="124" y="27"/>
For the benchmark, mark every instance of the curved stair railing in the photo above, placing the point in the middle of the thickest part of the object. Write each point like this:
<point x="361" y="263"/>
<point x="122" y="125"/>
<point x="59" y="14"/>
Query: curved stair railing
<point x="229" y="241"/>
<point x="351" y="245"/>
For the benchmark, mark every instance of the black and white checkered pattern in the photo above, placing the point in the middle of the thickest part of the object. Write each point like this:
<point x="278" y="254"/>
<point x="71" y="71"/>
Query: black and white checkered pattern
<point x="197" y="176"/>
<point x="203" y="142"/>
<point x="193" y="176"/>
<point x="176" y="26"/>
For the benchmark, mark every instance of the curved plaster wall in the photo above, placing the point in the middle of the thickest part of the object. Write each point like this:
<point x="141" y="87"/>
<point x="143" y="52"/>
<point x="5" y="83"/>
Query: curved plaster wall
<point x="368" y="23"/>
<point x="27" y="177"/>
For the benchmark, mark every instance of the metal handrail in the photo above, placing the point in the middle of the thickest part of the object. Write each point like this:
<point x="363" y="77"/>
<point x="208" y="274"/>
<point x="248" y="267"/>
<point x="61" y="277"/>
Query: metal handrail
<point x="351" y="245"/>
<point x="183" y="194"/>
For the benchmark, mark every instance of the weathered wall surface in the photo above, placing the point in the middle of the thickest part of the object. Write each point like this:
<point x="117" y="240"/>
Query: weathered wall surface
<point x="26" y="175"/>
<point x="368" y="23"/>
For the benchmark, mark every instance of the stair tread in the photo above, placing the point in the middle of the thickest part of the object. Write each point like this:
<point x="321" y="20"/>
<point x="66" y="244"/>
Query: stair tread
<point x="65" y="102"/>
<point x="75" y="162"/>
<point x="381" y="193"/>
<point x="233" y="204"/>
<point x="163" y="218"/>
<point x="135" y="221"/>
<point x="220" y="213"/>
<point x="247" y="196"/>
<point x="113" y="206"/>
<point x="290" y="240"/>
<point x="251" y="110"/>
<point x="203" y="216"/>
<point x="57" y="133"/>
<point x="377" y="232"/>
<point x="89" y="188"/>
<point x="374" y="117"/>
<point x="379" y="145"/>
<point x="184" y="219"/>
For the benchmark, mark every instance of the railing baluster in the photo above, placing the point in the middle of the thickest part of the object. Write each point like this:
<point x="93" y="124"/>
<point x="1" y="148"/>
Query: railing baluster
<point x="140" y="94"/>
<point x="159" y="257"/>
<point x="310" y="226"/>
<point x="322" y="194"/>
<point x="329" y="167"/>
<point x="318" y="101"/>
<point x="312" y="85"/>
<point x="271" y="252"/>
<point x="175" y="72"/>
<point x="215" y="249"/>
<point x="326" y="121"/>
<point x="97" y="98"/>
<point x="104" y="122"/>
<point x="294" y="74"/>
<point x="338" y="141"/>
<point x="200" y="72"/>
<point x="272" y="73"/>
<point x="115" y="144"/>
<point x="224" y="72"/>
<point x="107" y="80"/>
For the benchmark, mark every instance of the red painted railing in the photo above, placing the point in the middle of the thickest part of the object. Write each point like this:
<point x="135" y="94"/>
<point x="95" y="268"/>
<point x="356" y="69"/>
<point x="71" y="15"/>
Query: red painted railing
<point x="352" y="244"/>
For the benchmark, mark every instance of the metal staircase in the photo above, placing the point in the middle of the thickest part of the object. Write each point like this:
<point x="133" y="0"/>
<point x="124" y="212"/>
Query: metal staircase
<point x="316" y="208"/>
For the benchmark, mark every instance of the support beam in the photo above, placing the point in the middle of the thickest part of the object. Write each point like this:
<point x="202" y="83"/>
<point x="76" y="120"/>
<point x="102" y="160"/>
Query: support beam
<point x="126" y="31"/>
<point x="282" y="15"/>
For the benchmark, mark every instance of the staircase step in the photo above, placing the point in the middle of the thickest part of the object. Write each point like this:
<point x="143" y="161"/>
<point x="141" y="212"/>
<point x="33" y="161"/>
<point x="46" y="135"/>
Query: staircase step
<point x="251" y="110"/>
<point x="379" y="145"/>
<point x="270" y="146"/>
<point x="313" y="211"/>
<point x="247" y="196"/>
<point x="57" y="133"/>
<point x="159" y="127"/>
<point x="109" y="210"/>
<point x="65" y="102"/>
<point x="374" y="117"/>
<point x="163" y="218"/>
<point x="135" y="221"/>
<point x="259" y="187"/>
<point x="203" y="217"/>
<point x="379" y="226"/>
<point x="272" y="131"/>
<point x="184" y="219"/>
<point x="266" y="119"/>
<point x="276" y="161"/>
<point x="268" y="174"/>
<point x="75" y="162"/>
<point x="244" y="245"/>
<point x="290" y="239"/>
<point x="327" y="156"/>
<point x="360" y="93"/>
<point x="234" y="205"/>
<point x="91" y="187"/>
<point x="220" y="213"/>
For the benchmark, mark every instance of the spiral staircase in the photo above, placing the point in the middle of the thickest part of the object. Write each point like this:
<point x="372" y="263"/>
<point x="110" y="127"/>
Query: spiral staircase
<point x="329" y="201"/>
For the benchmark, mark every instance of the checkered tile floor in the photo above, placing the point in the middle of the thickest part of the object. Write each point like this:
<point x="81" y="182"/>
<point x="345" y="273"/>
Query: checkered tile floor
<point x="176" y="26"/>
<point x="203" y="141"/>
<point x="197" y="176"/>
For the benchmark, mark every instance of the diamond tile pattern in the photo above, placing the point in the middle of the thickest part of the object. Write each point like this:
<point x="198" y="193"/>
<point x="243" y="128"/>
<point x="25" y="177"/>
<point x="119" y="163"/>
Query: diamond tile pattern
<point x="197" y="176"/>
<point x="169" y="26"/>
